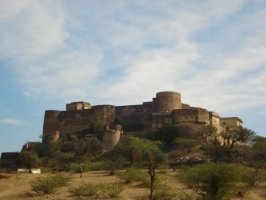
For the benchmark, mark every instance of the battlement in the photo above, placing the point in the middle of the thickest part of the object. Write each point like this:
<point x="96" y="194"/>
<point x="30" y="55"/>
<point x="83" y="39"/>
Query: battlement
<point x="81" y="105"/>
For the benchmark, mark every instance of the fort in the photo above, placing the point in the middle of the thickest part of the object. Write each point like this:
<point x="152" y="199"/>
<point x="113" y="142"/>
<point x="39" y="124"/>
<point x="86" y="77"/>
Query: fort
<point x="81" y="117"/>
<point x="165" y="108"/>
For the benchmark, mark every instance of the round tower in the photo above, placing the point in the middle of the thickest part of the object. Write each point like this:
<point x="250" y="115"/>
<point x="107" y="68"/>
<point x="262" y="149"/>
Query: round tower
<point x="111" y="137"/>
<point x="167" y="101"/>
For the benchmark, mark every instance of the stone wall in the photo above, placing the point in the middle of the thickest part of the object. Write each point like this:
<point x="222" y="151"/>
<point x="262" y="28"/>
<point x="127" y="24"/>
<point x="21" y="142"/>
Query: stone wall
<point x="9" y="160"/>
<point x="51" y="122"/>
<point x="111" y="136"/>
<point x="165" y="108"/>
<point x="232" y="122"/>
<point x="193" y="115"/>
<point x="128" y="111"/>
<point x="76" y="120"/>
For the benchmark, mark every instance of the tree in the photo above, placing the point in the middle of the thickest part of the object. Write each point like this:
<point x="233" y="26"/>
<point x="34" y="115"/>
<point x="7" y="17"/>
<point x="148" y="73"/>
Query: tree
<point x="85" y="147"/>
<point x="206" y="132"/>
<point x="259" y="152"/>
<point x="49" y="148"/>
<point x="167" y="134"/>
<point x="185" y="143"/>
<point x="225" y="146"/>
<point x="60" y="160"/>
<point x="135" y="148"/>
<point x="152" y="172"/>
<point x="114" y="165"/>
<point x="213" y="181"/>
<point x="28" y="159"/>
<point x="239" y="135"/>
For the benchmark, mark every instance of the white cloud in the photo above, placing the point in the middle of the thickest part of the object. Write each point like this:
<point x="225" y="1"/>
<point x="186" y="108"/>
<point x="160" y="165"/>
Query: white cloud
<point x="69" y="74"/>
<point x="32" y="29"/>
<point x="10" y="121"/>
<point x="26" y="94"/>
<point x="8" y="9"/>
<point x="130" y="54"/>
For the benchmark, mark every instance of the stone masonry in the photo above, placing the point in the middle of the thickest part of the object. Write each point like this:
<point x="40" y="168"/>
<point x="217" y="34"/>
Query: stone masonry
<point x="165" y="108"/>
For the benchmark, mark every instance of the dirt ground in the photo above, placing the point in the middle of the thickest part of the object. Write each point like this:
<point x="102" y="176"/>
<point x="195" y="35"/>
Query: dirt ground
<point x="18" y="187"/>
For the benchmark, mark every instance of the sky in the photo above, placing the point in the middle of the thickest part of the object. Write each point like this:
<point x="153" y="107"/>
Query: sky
<point x="122" y="52"/>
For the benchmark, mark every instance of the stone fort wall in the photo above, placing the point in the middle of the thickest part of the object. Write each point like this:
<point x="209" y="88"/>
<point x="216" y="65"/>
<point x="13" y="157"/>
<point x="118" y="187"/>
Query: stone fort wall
<point x="76" y="120"/>
<point x="166" y="107"/>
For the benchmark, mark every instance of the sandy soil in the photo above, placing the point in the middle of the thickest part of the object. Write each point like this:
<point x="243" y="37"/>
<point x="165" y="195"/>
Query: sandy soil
<point x="18" y="187"/>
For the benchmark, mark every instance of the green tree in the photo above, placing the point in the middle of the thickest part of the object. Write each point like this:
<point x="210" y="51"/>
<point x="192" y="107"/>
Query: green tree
<point x="85" y="147"/>
<point x="226" y="146"/>
<point x="114" y="165"/>
<point x="28" y="159"/>
<point x="48" y="148"/>
<point x="167" y="134"/>
<point x="185" y="143"/>
<point x="60" y="161"/>
<point x="214" y="181"/>
<point x="135" y="148"/>
<point x="258" y="149"/>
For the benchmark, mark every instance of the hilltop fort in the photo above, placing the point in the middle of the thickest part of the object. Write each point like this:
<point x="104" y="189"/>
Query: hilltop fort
<point x="165" y="108"/>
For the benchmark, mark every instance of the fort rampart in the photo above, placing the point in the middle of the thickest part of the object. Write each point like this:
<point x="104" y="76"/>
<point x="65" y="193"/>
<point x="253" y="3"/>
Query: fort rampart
<point x="165" y="108"/>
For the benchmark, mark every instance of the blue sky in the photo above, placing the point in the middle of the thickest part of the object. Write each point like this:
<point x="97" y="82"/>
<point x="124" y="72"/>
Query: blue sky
<point x="123" y="52"/>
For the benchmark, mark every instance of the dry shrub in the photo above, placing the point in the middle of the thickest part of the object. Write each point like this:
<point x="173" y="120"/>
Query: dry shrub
<point x="99" y="189"/>
<point x="85" y="189"/>
<point x="112" y="190"/>
<point x="164" y="193"/>
<point x="48" y="185"/>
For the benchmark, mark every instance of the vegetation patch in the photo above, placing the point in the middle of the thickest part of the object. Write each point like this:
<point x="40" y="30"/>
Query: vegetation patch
<point x="97" y="189"/>
<point x="135" y="175"/>
<point x="49" y="185"/>
<point x="164" y="193"/>
<point x="112" y="190"/>
<point x="215" y="181"/>
<point x="75" y="167"/>
<point x="86" y="189"/>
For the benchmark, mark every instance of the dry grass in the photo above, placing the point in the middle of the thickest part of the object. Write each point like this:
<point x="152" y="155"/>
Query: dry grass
<point x="19" y="188"/>
<point x="5" y="176"/>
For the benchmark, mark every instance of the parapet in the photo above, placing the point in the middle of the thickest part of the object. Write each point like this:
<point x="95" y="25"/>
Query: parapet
<point x="81" y="105"/>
